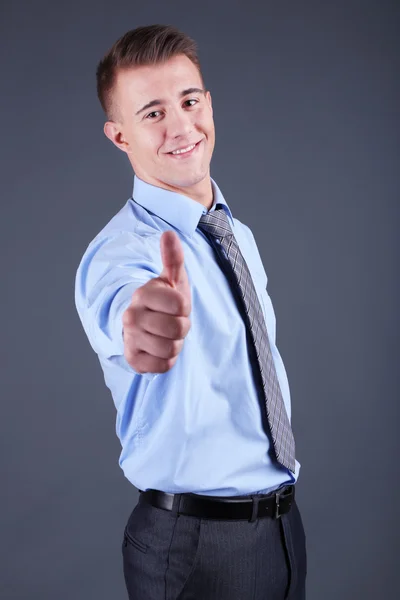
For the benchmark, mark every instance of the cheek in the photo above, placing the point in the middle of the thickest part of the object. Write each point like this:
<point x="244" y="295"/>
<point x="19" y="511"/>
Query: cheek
<point x="148" y="142"/>
<point x="207" y="123"/>
<point x="210" y="131"/>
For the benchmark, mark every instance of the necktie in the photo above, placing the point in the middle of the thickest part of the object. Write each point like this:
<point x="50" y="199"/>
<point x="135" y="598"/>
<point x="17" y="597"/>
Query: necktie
<point x="216" y="225"/>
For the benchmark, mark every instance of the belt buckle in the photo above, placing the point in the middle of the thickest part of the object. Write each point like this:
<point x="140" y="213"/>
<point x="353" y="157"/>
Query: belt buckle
<point x="277" y="498"/>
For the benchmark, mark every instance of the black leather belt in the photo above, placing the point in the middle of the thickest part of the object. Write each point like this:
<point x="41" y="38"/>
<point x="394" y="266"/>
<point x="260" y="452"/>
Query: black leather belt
<point x="273" y="505"/>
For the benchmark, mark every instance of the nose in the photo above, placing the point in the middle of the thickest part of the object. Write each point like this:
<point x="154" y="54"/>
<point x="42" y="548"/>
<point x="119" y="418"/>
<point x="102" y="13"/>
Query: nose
<point x="179" y="124"/>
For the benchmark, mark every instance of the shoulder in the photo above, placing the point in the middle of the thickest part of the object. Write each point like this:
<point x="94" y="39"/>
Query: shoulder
<point x="246" y="239"/>
<point x="243" y="230"/>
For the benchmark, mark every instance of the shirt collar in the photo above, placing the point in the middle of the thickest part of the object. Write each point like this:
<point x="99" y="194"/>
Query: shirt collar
<point x="178" y="210"/>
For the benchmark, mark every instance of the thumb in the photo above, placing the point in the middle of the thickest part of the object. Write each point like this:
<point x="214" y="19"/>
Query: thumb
<point x="173" y="260"/>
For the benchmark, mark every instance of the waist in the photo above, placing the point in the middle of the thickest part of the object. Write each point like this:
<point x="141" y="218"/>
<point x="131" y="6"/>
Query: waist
<point x="250" y="507"/>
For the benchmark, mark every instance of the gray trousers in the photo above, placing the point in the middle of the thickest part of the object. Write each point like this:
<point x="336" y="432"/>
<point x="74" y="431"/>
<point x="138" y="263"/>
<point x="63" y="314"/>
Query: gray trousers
<point x="179" y="557"/>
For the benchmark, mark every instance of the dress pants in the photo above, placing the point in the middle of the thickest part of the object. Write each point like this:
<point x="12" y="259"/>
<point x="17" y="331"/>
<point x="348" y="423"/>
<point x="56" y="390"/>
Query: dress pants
<point x="181" y="557"/>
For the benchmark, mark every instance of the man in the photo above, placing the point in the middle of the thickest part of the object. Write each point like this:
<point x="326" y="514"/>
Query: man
<point x="172" y="296"/>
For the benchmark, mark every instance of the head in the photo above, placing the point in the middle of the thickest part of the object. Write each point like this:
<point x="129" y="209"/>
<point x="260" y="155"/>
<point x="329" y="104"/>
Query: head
<point x="152" y="92"/>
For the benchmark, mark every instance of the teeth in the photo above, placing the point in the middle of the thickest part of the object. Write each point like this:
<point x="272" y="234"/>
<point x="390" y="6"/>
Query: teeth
<point x="184" y="150"/>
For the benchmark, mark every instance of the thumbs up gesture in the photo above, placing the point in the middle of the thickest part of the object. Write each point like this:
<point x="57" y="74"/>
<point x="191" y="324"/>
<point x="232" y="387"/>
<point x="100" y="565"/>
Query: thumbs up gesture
<point x="156" y="322"/>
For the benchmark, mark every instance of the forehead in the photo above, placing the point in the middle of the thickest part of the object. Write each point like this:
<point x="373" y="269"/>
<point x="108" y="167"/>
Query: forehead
<point x="166" y="80"/>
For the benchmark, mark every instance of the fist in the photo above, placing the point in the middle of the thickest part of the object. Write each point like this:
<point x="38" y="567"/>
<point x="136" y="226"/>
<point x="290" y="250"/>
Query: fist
<point x="156" y="322"/>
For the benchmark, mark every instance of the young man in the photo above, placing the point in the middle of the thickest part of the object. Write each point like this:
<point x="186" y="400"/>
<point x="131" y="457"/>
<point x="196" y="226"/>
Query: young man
<point x="172" y="296"/>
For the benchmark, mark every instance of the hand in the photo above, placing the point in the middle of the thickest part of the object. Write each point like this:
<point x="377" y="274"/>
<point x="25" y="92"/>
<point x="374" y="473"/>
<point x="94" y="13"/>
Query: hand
<point x="156" y="322"/>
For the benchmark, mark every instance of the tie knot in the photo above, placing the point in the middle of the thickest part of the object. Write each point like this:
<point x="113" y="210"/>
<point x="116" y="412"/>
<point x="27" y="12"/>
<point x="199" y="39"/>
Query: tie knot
<point x="216" y="223"/>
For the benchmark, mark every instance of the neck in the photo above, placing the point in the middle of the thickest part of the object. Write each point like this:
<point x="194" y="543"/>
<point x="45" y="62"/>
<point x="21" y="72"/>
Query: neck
<point x="201" y="192"/>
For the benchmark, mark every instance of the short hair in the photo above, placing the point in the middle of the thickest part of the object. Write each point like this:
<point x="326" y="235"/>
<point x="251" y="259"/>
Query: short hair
<point x="143" y="46"/>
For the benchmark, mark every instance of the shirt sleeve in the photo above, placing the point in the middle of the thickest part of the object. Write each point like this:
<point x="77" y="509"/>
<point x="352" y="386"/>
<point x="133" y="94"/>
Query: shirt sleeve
<point x="110" y="271"/>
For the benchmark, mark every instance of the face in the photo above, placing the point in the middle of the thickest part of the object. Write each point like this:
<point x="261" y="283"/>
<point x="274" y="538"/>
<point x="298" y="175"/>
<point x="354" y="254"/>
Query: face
<point x="162" y="109"/>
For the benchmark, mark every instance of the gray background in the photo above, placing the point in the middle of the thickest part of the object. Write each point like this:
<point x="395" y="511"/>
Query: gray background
<point x="306" y="101"/>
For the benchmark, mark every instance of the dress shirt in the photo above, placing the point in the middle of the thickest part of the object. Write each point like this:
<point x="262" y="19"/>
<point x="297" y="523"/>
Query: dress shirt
<point x="198" y="427"/>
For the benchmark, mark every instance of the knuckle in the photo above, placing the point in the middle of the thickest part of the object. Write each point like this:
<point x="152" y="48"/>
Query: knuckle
<point x="188" y="325"/>
<point x="127" y="317"/>
<point x="186" y="307"/>
<point x="162" y="366"/>
<point x="170" y="363"/>
<point x="177" y="347"/>
<point x="128" y="324"/>
<point x="137" y="297"/>
<point x="180" y="327"/>
<point x="157" y="365"/>
<point x="131" y="357"/>
<point x="174" y="347"/>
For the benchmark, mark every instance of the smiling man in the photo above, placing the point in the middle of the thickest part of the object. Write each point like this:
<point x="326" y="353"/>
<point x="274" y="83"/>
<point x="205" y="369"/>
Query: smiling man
<point x="172" y="296"/>
<point x="165" y="127"/>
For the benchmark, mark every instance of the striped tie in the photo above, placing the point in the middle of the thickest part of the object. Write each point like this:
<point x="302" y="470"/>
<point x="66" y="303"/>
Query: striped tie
<point x="217" y="225"/>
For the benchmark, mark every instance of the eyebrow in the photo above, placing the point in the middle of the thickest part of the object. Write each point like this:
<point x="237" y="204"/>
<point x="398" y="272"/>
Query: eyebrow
<point x="192" y="90"/>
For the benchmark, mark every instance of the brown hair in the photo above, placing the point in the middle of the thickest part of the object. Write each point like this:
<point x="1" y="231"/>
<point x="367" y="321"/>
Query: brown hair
<point x="147" y="45"/>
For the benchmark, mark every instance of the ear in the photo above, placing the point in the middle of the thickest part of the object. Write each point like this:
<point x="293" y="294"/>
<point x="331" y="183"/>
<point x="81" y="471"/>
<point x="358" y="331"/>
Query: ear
<point x="208" y="96"/>
<point x="114" y="133"/>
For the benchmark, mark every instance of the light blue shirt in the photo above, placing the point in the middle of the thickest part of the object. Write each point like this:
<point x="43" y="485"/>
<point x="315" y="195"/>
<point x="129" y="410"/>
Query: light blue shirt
<point x="198" y="427"/>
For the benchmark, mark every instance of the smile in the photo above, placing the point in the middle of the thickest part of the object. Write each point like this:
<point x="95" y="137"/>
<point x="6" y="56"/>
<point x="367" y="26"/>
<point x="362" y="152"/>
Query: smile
<point x="185" y="152"/>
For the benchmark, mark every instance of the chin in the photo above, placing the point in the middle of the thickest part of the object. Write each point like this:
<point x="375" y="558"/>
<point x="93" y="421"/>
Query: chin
<point x="187" y="180"/>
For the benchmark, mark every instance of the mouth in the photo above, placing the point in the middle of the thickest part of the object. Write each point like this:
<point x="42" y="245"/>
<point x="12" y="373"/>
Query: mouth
<point x="186" y="152"/>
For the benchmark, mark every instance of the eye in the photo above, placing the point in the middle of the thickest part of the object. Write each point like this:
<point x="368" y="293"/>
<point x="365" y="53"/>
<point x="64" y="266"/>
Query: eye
<point x="158" y="112"/>
<point x="152" y="113"/>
